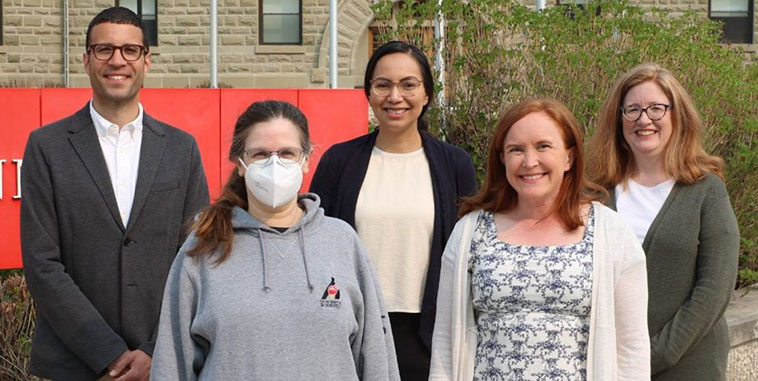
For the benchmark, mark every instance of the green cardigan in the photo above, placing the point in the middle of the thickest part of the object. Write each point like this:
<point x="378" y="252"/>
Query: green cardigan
<point x="692" y="249"/>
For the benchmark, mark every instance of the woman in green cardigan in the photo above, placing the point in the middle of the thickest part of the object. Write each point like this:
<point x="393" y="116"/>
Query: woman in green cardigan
<point x="647" y="151"/>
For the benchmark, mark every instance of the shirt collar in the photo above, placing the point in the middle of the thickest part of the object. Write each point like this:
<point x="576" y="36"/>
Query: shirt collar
<point x="102" y="125"/>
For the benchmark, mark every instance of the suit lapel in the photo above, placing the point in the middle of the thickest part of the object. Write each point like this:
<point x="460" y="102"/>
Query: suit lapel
<point x="151" y="153"/>
<point x="86" y="144"/>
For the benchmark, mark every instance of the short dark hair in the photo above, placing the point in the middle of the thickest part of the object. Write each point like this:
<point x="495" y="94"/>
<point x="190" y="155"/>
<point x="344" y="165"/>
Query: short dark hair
<point x="415" y="53"/>
<point x="117" y="15"/>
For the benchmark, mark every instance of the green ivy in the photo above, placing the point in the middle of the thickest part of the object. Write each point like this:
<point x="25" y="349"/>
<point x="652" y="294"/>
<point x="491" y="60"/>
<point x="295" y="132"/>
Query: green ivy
<point x="498" y="52"/>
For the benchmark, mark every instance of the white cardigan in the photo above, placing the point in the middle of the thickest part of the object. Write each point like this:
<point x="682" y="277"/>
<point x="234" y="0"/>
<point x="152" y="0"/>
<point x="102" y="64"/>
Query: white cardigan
<point x="619" y="345"/>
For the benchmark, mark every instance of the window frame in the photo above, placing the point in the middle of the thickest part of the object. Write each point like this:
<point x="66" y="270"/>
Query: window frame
<point x="151" y="32"/>
<point x="260" y="25"/>
<point x="732" y="28"/>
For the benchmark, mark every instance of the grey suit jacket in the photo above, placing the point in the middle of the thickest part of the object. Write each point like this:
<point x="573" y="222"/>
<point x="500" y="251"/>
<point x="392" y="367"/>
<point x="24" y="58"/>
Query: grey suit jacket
<point x="98" y="284"/>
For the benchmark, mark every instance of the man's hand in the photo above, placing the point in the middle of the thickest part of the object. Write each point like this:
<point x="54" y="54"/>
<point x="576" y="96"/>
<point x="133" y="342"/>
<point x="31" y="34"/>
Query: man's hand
<point x="131" y="366"/>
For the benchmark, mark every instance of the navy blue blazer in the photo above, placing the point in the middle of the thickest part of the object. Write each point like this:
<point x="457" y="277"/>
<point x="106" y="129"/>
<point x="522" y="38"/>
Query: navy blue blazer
<point x="339" y="177"/>
<point x="98" y="283"/>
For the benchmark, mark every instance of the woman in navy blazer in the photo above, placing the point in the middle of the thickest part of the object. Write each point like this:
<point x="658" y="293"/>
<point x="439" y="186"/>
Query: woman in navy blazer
<point x="399" y="187"/>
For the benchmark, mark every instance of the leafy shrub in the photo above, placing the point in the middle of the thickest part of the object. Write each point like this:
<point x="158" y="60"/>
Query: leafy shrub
<point x="498" y="52"/>
<point x="16" y="326"/>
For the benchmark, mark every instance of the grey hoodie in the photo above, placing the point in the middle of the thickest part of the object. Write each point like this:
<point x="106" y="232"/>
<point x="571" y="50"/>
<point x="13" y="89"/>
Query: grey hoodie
<point x="299" y="305"/>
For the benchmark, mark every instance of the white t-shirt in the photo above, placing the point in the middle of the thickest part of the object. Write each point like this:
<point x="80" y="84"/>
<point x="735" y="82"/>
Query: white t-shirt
<point x="639" y="204"/>
<point x="394" y="217"/>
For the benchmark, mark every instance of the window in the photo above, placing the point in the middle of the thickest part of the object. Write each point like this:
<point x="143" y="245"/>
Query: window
<point x="737" y="16"/>
<point x="279" y="22"/>
<point x="580" y="4"/>
<point x="146" y="10"/>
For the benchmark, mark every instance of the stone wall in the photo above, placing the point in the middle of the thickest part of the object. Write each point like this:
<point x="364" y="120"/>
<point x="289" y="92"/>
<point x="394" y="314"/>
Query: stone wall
<point x="31" y="52"/>
<point x="32" y="49"/>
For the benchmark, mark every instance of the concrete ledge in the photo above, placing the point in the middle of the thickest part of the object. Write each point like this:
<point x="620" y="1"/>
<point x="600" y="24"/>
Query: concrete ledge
<point x="279" y="49"/>
<point x="742" y="316"/>
<point x="742" y="319"/>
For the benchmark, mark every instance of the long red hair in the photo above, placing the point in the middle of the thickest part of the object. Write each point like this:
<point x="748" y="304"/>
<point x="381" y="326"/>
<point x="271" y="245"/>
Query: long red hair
<point x="497" y="195"/>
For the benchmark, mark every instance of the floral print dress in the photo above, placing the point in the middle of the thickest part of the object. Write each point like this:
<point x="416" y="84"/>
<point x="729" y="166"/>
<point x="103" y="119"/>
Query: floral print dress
<point x="532" y="306"/>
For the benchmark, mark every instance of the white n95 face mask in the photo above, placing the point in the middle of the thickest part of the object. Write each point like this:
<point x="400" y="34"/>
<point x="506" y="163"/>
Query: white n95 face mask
<point x="273" y="183"/>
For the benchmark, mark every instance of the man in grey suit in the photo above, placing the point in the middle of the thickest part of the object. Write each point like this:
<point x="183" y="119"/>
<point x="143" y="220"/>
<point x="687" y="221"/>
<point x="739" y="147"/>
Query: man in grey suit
<point x="107" y="194"/>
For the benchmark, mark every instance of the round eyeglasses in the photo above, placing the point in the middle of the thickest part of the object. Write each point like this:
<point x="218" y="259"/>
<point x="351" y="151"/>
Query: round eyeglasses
<point x="383" y="87"/>
<point x="655" y="111"/>
<point x="129" y="52"/>
<point x="286" y="155"/>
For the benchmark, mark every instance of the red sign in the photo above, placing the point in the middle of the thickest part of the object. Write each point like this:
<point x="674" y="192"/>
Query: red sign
<point x="208" y="114"/>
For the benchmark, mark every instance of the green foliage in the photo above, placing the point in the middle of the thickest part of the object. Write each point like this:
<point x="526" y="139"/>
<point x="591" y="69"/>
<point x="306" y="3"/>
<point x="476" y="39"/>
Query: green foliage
<point x="16" y="326"/>
<point x="498" y="52"/>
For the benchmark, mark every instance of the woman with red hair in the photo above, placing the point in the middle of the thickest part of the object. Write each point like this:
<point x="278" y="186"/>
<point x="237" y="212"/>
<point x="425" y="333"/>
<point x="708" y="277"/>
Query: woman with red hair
<point x="538" y="280"/>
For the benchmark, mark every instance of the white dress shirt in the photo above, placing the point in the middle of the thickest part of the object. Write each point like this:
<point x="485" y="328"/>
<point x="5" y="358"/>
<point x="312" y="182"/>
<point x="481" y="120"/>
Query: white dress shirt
<point x="121" y="149"/>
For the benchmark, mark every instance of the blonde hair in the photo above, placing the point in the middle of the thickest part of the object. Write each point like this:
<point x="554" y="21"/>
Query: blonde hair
<point x="611" y="161"/>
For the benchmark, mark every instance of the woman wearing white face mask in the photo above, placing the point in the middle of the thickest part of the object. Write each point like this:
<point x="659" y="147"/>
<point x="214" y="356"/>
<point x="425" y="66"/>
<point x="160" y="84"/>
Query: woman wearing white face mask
<point x="267" y="287"/>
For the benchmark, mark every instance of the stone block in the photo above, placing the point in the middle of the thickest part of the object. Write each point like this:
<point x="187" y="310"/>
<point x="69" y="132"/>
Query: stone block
<point x="8" y="69"/>
<point x="51" y="40"/>
<point x="32" y="3"/>
<point x="52" y="22"/>
<point x="181" y="59"/>
<point x="234" y="68"/>
<point x="229" y="58"/>
<point x="12" y="20"/>
<point x="189" y="68"/>
<point x="190" y="40"/>
<point x="238" y="80"/>
<point x="27" y="40"/>
<point x="33" y="21"/>
<point x="187" y="20"/>
<point x="14" y="58"/>
<point x="152" y="82"/>
<point x="175" y="11"/>
<point x="276" y="58"/>
<point x="197" y="11"/>
<point x="175" y="81"/>
<point x="41" y="68"/>
<point x="232" y="40"/>
<point x="168" y="40"/>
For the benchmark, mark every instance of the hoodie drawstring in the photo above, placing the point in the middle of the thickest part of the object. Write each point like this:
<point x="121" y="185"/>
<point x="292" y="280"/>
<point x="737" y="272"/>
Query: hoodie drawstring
<point x="301" y="240"/>
<point x="263" y="256"/>
<point x="305" y="261"/>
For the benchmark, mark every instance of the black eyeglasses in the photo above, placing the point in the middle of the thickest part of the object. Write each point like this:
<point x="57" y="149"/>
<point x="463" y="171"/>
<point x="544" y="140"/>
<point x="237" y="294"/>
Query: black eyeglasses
<point x="655" y="111"/>
<point x="129" y="52"/>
